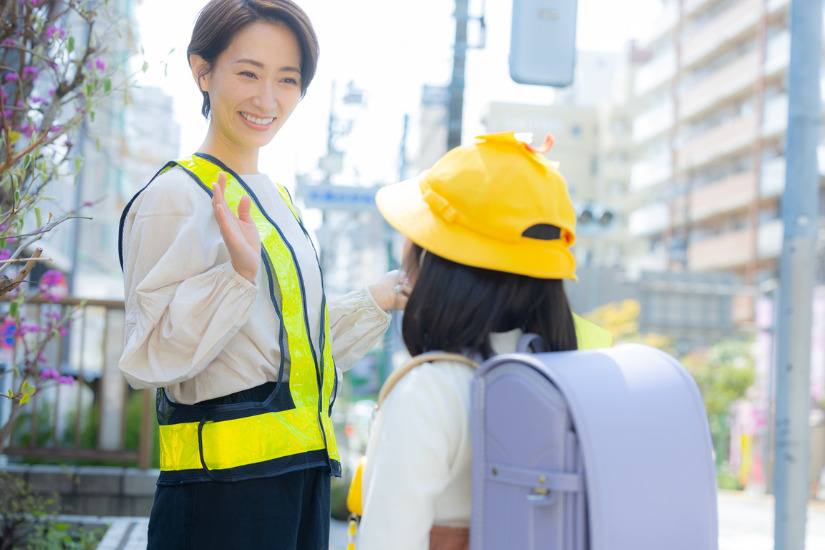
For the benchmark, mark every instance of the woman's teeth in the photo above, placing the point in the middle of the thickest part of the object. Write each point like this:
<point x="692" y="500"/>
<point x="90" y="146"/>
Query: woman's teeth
<point x="256" y="120"/>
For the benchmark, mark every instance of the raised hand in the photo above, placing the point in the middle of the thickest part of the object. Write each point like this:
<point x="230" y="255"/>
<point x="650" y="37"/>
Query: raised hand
<point x="239" y="232"/>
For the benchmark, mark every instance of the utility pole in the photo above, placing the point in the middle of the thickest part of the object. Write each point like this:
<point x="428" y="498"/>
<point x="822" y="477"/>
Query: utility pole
<point x="796" y="272"/>
<point x="456" y="105"/>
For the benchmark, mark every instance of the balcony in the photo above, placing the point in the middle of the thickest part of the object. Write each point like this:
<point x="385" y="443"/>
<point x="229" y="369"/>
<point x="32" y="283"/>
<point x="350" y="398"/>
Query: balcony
<point x="720" y="140"/>
<point x="772" y="180"/>
<point x="690" y="6"/>
<point x="649" y="173"/>
<point x="769" y="239"/>
<point x="653" y="121"/>
<point x="650" y="219"/>
<point x="778" y="52"/>
<point x="775" y="119"/>
<point x="731" y="193"/>
<point x="722" y="84"/>
<point x="723" y="28"/>
<point x="659" y="70"/>
<point x="724" y="251"/>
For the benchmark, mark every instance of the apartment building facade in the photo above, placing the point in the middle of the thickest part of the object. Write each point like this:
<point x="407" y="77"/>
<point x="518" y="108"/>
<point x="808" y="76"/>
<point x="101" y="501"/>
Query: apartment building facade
<point x="710" y="114"/>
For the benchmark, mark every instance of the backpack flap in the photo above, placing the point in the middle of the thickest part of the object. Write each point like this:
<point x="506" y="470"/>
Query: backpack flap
<point x="528" y="483"/>
<point x="644" y="444"/>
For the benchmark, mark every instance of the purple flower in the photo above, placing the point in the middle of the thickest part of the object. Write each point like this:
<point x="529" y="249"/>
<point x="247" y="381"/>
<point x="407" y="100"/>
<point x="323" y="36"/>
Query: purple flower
<point x="88" y="203"/>
<point x="9" y="42"/>
<point x="51" y="91"/>
<point x="100" y="64"/>
<point x="10" y="76"/>
<point x="5" y="254"/>
<point x="51" y="278"/>
<point x="51" y="30"/>
<point x="66" y="380"/>
<point x="30" y="71"/>
<point x="8" y="113"/>
<point x="49" y="373"/>
<point x="62" y="330"/>
<point x="37" y="99"/>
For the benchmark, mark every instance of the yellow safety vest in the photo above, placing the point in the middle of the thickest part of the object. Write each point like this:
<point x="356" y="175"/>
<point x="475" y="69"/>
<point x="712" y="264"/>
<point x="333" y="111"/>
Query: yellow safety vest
<point x="289" y="430"/>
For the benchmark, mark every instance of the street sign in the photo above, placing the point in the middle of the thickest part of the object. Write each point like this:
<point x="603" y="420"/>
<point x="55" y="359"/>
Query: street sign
<point x="338" y="197"/>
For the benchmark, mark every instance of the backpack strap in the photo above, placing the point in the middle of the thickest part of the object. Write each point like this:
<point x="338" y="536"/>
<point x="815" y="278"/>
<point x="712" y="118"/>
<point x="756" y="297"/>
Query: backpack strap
<point x="429" y="357"/>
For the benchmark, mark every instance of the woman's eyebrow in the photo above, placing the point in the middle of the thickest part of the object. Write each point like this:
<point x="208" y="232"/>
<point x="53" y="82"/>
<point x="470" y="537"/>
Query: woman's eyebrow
<point x="287" y="68"/>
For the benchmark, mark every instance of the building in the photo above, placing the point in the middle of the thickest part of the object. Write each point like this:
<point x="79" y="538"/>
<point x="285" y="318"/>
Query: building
<point x="710" y="111"/>
<point x="130" y="137"/>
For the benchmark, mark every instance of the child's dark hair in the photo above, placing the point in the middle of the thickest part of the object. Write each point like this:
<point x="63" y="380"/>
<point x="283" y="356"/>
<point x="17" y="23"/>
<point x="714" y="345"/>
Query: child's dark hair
<point x="454" y="307"/>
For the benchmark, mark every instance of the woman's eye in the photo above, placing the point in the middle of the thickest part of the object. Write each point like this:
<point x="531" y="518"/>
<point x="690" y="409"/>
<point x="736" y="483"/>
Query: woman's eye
<point x="248" y="74"/>
<point x="290" y="80"/>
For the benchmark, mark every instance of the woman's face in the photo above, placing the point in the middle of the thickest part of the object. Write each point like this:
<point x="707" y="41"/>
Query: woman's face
<point x="254" y="85"/>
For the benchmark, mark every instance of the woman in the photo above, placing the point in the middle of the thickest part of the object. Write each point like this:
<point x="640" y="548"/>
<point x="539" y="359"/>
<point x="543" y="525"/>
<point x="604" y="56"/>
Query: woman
<point x="225" y="305"/>
<point x="489" y="230"/>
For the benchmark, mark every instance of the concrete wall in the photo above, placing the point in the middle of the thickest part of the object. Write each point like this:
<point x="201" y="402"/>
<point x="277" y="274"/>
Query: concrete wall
<point x="93" y="490"/>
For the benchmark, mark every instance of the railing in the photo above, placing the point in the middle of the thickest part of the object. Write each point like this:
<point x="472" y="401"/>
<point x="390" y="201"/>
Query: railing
<point x="98" y="418"/>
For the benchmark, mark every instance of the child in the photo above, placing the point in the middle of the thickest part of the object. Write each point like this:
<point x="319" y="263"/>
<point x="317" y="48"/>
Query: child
<point x="489" y="230"/>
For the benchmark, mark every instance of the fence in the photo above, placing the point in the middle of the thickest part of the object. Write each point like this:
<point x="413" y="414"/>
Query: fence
<point x="98" y="418"/>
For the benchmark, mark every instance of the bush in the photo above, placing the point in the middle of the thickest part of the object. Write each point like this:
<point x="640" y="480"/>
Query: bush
<point x="27" y="521"/>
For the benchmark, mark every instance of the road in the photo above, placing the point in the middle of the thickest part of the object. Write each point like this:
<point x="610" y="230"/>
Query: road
<point x="745" y="523"/>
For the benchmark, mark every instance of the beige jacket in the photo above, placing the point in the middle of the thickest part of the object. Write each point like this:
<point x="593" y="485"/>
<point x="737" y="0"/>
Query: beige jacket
<point x="196" y="327"/>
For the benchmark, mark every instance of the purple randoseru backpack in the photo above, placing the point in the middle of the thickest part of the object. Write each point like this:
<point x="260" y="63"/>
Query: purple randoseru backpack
<point x="600" y="450"/>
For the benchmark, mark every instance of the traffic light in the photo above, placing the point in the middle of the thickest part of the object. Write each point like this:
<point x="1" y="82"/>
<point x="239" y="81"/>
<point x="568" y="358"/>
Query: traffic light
<point x="592" y="218"/>
<point x="543" y="42"/>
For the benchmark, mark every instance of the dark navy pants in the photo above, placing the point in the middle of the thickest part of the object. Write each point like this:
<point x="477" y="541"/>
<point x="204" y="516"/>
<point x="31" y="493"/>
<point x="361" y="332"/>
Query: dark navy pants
<point x="286" y="512"/>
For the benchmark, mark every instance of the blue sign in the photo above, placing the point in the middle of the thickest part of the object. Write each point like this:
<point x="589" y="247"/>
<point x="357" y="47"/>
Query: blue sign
<point x="340" y="197"/>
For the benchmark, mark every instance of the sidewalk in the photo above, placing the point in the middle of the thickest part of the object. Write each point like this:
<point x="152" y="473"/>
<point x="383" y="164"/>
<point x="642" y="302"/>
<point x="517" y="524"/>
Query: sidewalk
<point x="745" y="523"/>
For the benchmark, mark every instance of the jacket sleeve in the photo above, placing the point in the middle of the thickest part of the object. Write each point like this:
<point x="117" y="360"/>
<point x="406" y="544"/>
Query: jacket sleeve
<point x="410" y="453"/>
<point x="356" y="324"/>
<point x="184" y="300"/>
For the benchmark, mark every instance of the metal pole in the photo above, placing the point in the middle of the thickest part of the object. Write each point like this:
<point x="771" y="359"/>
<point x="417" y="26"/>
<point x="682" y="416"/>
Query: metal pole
<point x="796" y="271"/>
<point x="456" y="105"/>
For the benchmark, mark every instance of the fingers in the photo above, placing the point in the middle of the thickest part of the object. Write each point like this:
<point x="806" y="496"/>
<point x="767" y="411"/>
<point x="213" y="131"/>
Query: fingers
<point x="243" y="209"/>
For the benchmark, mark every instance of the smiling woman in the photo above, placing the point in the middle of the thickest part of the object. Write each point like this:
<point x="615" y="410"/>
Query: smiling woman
<point x="225" y="305"/>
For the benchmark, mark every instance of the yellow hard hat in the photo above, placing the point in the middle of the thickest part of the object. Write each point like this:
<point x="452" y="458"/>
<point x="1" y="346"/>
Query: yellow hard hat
<point x="496" y="204"/>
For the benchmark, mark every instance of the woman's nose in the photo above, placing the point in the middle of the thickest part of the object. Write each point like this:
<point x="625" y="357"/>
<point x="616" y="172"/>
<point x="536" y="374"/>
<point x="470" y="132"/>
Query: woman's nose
<point x="266" y="99"/>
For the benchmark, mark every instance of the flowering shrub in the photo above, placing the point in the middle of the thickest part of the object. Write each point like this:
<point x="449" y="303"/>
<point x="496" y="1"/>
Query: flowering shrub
<point x="53" y="75"/>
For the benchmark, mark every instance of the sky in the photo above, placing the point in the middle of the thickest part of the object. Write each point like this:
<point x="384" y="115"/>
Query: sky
<point x="389" y="50"/>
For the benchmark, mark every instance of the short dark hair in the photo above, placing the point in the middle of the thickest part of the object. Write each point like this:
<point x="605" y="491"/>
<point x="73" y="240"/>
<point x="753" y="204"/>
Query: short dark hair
<point x="220" y="20"/>
<point x="455" y="307"/>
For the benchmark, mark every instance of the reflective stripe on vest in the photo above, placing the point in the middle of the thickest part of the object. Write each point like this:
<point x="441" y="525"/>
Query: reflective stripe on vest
<point x="261" y="436"/>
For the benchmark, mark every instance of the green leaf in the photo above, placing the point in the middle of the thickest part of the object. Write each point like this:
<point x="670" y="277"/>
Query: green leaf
<point x="24" y="386"/>
<point x="11" y="394"/>
<point x="107" y="84"/>
<point x="25" y="399"/>
<point x="13" y="309"/>
<point x="29" y="390"/>
<point x="145" y="66"/>
<point x="27" y="160"/>
<point x="70" y="44"/>
<point x="38" y="216"/>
